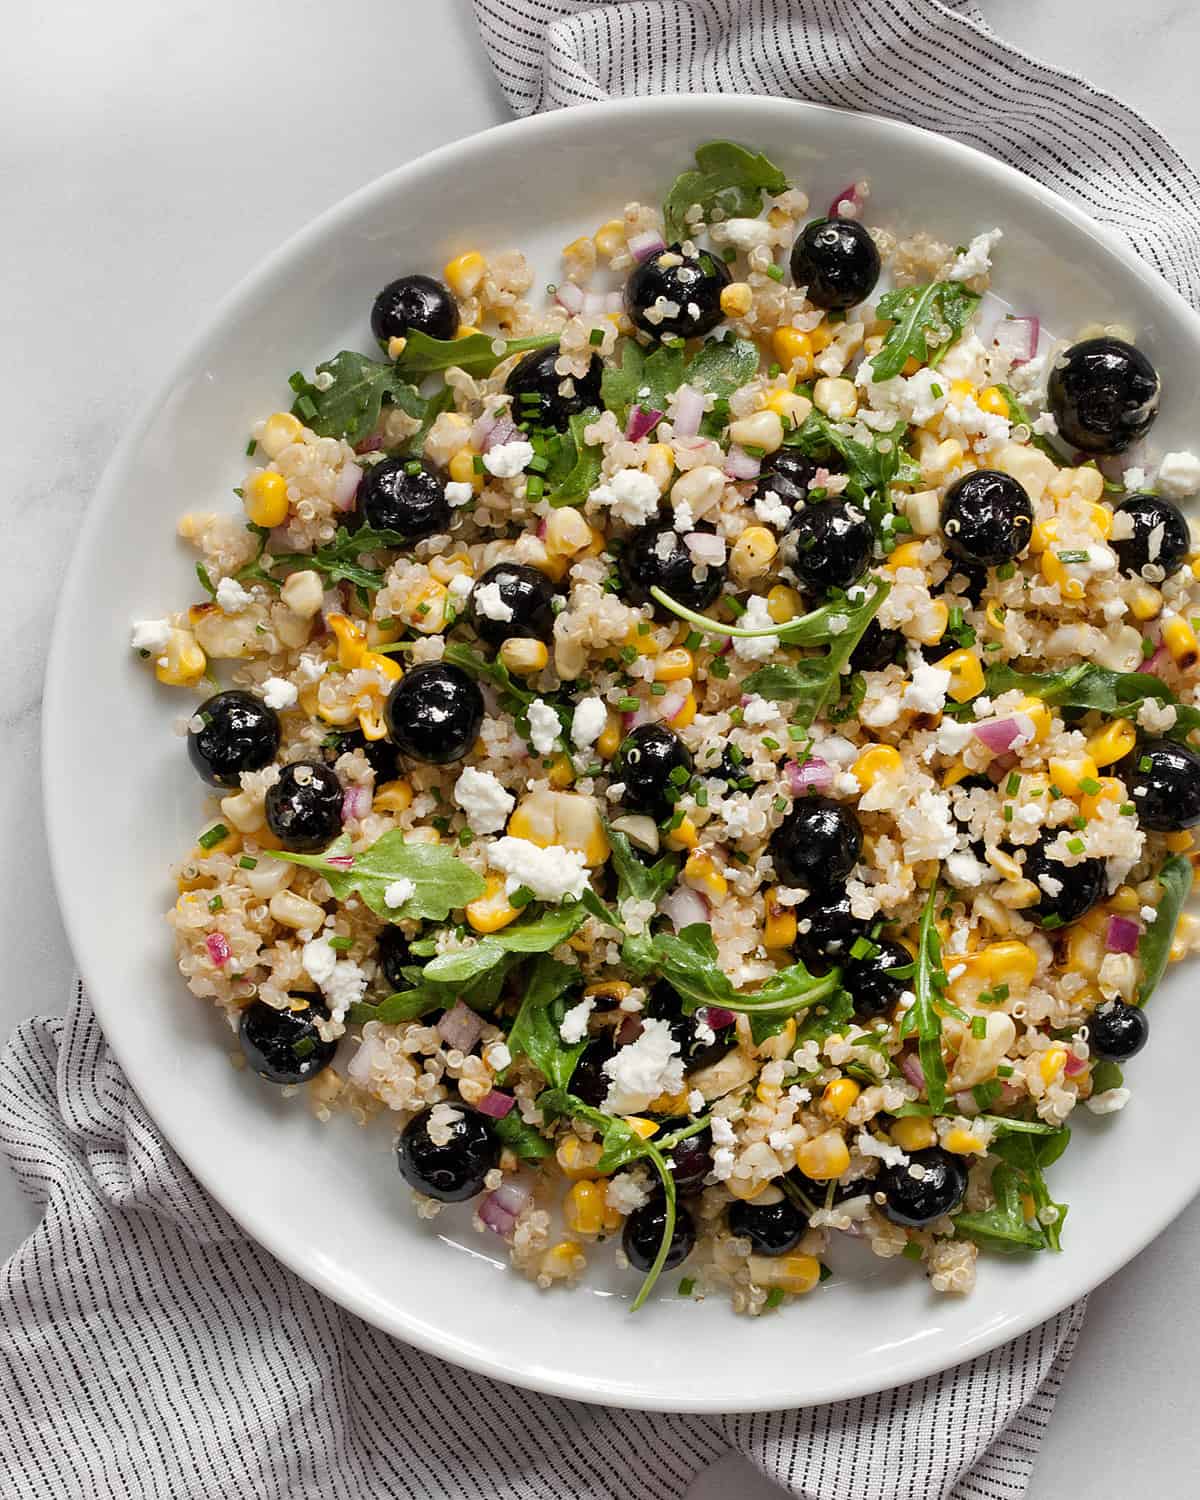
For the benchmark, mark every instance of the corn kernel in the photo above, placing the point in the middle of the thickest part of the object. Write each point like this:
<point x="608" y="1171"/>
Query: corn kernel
<point x="577" y="1159"/>
<point x="464" y="273"/>
<point x="1185" y="937"/>
<point x="797" y="1274"/>
<point x="1112" y="743"/>
<point x="641" y="1126"/>
<point x="838" y="398"/>
<point x="821" y="336"/>
<point x="609" y="741"/>
<point x="1181" y="842"/>
<point x="768" y="1093"/>
<point x="669" y="1104"/>
<point x="736" y="299"/>
<point x="561" y="818"/>
<point x="265" y="498"/>
<point x="747" y="1188"/>
<point x="230" y="844"/>
<point x="523" y="654"/>
<point x="962" y="1142"/>
<point x="674" y="665"/>
<point x="1068" y="772"/>
<point x="838" y="1097"/>
<point x="1083" y="951"/>
<point x="874" y="762"/>
<point x="824" y="1157"/>
<point x="467" y="331"/>
<point x="966" y="675"/>
<point x="702" y="874"/>
<point x="372" y="724"/>
<point x="1180" y="640"/>
<point x="659" y="463"/>
<point x="959" y="771"/>
<point x="931" y="623"/>
<point x="779" y="927"/>
<point x="991" y="400"/>
<point x="293" y="911"/>
<point x="393" y="797"/>
<point x="752" y="554"/>
<point x="1038" y="714"/>
<point x="762" y="430"/>
<point x="610" y="238"/>
<point x="491" y="911"/>
<point x="562" y="1261"/>
<point x="461" y="469"/>
<point x="561" y="772"/>
<point x="1101" y="519"/>
<point x="1146" y="603"/>
<point x="913" y="1133"/>
<point x="686" y="714"/>
<point x="1009" y="962"/>
<point x="351" y="640"/>
<point x="567" y="533"/>
<point x="794" y="351"/>
<point x="783" y="604"/>
<point x="685" y="836"/>
<point x="995" y="615"/>
<point x="906" y="555"/>
<point x="792" y="408"/>
<point x="1054" y="571"/>
<point x="182" y="662"/>
<point x="1051" y="1063"/>
<point x="280" y="431"/>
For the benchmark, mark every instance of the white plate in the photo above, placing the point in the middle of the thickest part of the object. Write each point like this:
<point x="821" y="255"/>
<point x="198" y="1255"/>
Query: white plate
<point x="121" y="801"/>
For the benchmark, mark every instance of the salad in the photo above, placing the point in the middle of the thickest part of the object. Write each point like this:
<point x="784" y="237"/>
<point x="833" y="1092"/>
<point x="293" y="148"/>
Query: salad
<point x="705" y="750"/>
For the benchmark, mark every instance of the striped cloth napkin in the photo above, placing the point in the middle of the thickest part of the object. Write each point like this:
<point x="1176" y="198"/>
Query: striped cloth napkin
<point x="147" y="1349"/>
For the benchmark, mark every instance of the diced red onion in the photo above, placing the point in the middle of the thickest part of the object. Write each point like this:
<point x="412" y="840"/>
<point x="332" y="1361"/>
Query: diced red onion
<point x="643" y="245"/>
<point x="460" y="1027"/>
<point x="346" y="488"/>
<point x="1018" y="338"/>
<point x="1009" y="1093"/>
<point x="848" y="204"/>
<point x="684" y="907"/>
<point x="331" y="603"/>
<point x="481" y="428"/>
<point x="501" y="1210"/>
<point x="717" y="1016"/>
<point x="741" y="465"/>
<point x="495" y="1103"/>
<point x="705" y="547"/>
<point x="218" y="948"/>
<point x="1157" y="662"/>
<point x="641" y="423"/>
<point x="568" y="295"/>
<point x="356" y="802"/>
<point x="1121" y="935"/>
<point x="802" y="776"/>
<point x="341" y="861"/>
<point x="672" y="705"/>
<point x="910" y="1066"/>
<point x="629" y="1030"/>
<point x="542" y="528"/>
<point x="1074" y="1065"/>
<point x="638" y="717"/>
<point x="371" y="444"/>
<point x="1000" y="734"/>
<point x="504" y="431"/>
<point x="689" y="411"/>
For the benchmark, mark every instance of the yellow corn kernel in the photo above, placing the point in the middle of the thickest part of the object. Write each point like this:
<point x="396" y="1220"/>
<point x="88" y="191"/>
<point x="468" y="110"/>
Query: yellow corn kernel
<point x="747" y="1188"/>
<point x="396" y="346"/>
<point x="961" y="1142"/>
<point x="783" y="604"/>
<point x="1083" y="951"/>
<point x="824" y="1157"/>
<point x="1112" y="743"/>
<point x="182" y="662"/>
<point x="641" y="1126"/>
<point x="387" y="667"/>
<point x="752" y="553"/>
<point x="1038" y="714"/>
<point x="966" y="675"/>
<point x="567" y="533"/>
<point x="1180" y="640"/>
<point x="1067" y="772"/>
<point x="1051" y="1063"/>
<point x="562" y="1261"/>
<point x="393" y="797"/>
<point x="577" y="1159"/>
<point x="669" y="1104"/>
<point x="797" y="1274"/>
<point x="280" y="431"/>
<point x="779" y="1045"/>
<point x="461" y="469"/>
<point x="1101" y="519"/>
<point x="874" y="762"/>
<point x="523" y="654"/>
<point x="585" y="1211"/>
<point x="1125" y="898"/>
<point x="768" y="1093"/>
<point x="960" y="390"/>
<point x="959" y="771"/>
<point x="423" y="835"/>
<point x="1185" y="937"/>
<point x="836" y="397"/>
<point x="1001" y="860"/>
<point x="1181" y="842"/>
<point x="686" y="714"/>
<point x="906" y="555"/>
<point x="685" y="836"/>
<point x="913" y="1133"/>
<point x="1146" y="603"/>
<point x="265" y="498"/>
<point x="674" y="665"/>
<point x="1008" y="962"/>
<point x="351" y="640"/>
<point x="702" y="874"/>
<point x="610" y="237"/>
<point x="230" y="844"/>
<point x="838" y="1097"/>
<point x="467" y="331"/>
<point x="569" y="819"/>
<point x="932" y="626"/>
<point x="372" y="724"/>
<point x="793" y="409"/>
<point x="995" y="614"/>
<point x="491" y="911"/>
<point x="1054" y="570"/>
<point x="779" y="927"/>
<point x="1043" y="535"/>
<point x="561" y="773"/>
<point x="794" y="351"/>
<point x="991" y="399"/>
<point x="821" y="337"/>
<point x="609" y="741"/>
<point x="464" y="273"/>
<point x="736" y="299"/>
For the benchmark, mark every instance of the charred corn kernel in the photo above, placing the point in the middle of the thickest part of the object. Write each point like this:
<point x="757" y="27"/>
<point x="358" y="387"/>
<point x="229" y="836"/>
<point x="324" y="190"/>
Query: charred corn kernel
<point x="932" y="622"/>
<point x="491" y="911"/>
<point x="1010" y="962"/>
<point x="1054" y="571"/>
<point x="779" y="926"/>
<point x="461" y="469"/>
<point x="393" y="797"/>
<point x="610" y="238"/>
<point x="763" y="430"/>
<point x="702" y="874"/>
<point x="962" y="1142"/>
<point x="372" y="724"/>
<point x="906" y="555"/>
<point x="686" y="714"/>
<point x="1181" y="842"/>
<point x="783" y="604"/>
<point x="290" y="910"/>
<point x="959" y="771"/>
<point x="874" y="762"/>
<point x="562" y="1261"/>
<point x="561" y="773"/>
<point x="674" y="665"/>
<point x="387" y="667"/>
<point x="609" y="741"/>
<point x="182" y="661"/>
<point x="1180" y="640"/>
<point x="1185" y="936"/>
<point x="1145" y="602"/>
<point x="566" y="532"/>
<point x="747" y="1188"/>
<point x="584" y="1208"/>
<point x="794" y="351"/>
<point x="736" y="299"/>
<point x="838" y="1097"/>
<point x="797" y="1274"/>
<point x="612" y="990"/>
<point x="824" y="1157"/>
<point x="838" y="398"/>
<point x="1051" y="1063"/>
<point x="1038" y="714"/>
<point x="265" y="498"/>
<point x="641" y="1126"/>
<point x="685" y="836"/>
<point x="464" y="273"/>
<point x="280" y="431"/>
<point x="768" y="1093"/>
<point x="1112" y="743"/>
<point x="524" y="654"/>
<point x="913" y="1133"/>
<point x="564" y="818"/>
<point x="966" y="675"/>
<point x="994" y="613"/>
<point x="991" y="400"/>
<point x="577" y="1159"/>
<point x="1067" y="772"/>
<point x="752" y="554"/>
<point x="351" y="640"/>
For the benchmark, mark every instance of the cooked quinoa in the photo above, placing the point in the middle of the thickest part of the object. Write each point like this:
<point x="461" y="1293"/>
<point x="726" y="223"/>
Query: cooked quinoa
<point x="703" y="750"/>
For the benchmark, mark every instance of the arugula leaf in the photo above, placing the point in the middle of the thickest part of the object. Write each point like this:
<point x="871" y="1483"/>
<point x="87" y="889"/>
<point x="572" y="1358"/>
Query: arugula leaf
<point x="636" y="880"/>
<point x="1018" y="415"/>
<point x="726" y="176"/>
<point x="1012" y="1125"/>
<point x="871" y="466"/>
<point x="688" y="961"/>
<point x="1003" y="1227"/>
<point x="1154" y="946"/>
<point x="339" y="559"/>
<point x="641" y="379"/>
<point x="534" y="1033"/>
<point x="518" y="698"/>
<point x="929" y="984"/>
<point x="424" y="356"/>
<point x="927" y="319"/>
<point x="785" y="994"/>
<point x="575" y="465"/>
<point x="434" y="407"/>
<point x="350" y="407"/>
<point x="1030" y="1155"/>
<point x="1118" y="694"/>
<point x="442" y="882"/>
<point x="426" y="995"/>
<point x="527" y="935"/>
<point x="525" y="1141"/>
<point x="722" y="366"/>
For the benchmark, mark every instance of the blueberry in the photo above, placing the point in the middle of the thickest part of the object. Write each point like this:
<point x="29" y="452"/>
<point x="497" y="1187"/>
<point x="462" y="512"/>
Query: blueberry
<point x="455" y="1171"/>
<point x="987" y="518"/>
<point x="239" y="733"/>
<point x="1118" y="1031"/>
<point x="414" y="303"/>
<point x="394" y="955"/>
<point x="526" y="593"/>
<point x="589" y="1081"/>
<point x="817" y="1193"/>
<point x="651" y="762"/>
<point x="829" y="928"/>
<point x="733" y="768"/>
<point x="877" y="648"/>
<point x="1103" y="394"/>
<point x="1160" y="541"/>
<point x="817" y="844"/>
<point x="836" y="261"/>
<point x="796" y="468"/>
<point x="916" y="1200"/>
<point x="1162" y="778"/>
<point x="828" y="544"/>
<point x="380" y="754"/>
<point x="304" y="807"/>
<point x="1074" y="889"/>
<point x="534" y="383"/>
<point x="870" y="980"/>
<point x="434" y="712"/>
<point x="656" y="556"/>
<point x="284" y="1046"/>
<point x="643" y="1233"/>
<point x="772" y="1228"/>
<point x="691" y="1161"/>
<point x="403" y="496"/>
<point x="692" y="283"/>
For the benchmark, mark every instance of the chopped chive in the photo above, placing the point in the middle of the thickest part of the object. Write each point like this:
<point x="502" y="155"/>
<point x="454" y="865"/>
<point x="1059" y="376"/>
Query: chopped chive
<point x="239" y="492"/>
<point x="736" y="754"/>
<point x="629" y="653"/>
<point x="464" y="838"/>
<point x="734" y="606"/>
<point x="1144" y="763"/>
<point x="1006" y="570"/>
<point x="776" y="1294"/>
<point x="1079" y="822"/>
<point x="1073" y="556"/>
<point x="596" y="336"/>
<point x="247" y="862"/>
<point x="303" y="1046"/>
<point x="1126" y="809"/>
<point x="686" y="1284"/>
<point x="307" y="407"/>
<point x="863" y="948"/>
<point x="1148" y="650"/>
<point x="979" y="1027"/>
<point x="912" y="1250"/>
<point x="1089" y="786"/>
<point x="693" y="640"/>
<point x="702" y="797"/>
<point x="796" y="732"/>
<point x="1076" y="846"/>
<point x="678" y="775"/>
<point x="775" y="273"/>
<point x="1052" y="921"/>
<point x="627" y="705"/>
<point x="1013" y="785"/>
<point x="215" y="904"/>
<point x="1005" y="1070"/>
<point x="341" y="944"/>
<point x="658" y="689"/>
<point x="1055" y="794"/>
<point x="780" y="804"/>
<point x="477" y="463"/>
<point x="213" y="835"/>
<point x="534" y="486"/>
<point x="250" y="447"/>
<point x="1008" y="812"/>
<point x="719" y="667"/>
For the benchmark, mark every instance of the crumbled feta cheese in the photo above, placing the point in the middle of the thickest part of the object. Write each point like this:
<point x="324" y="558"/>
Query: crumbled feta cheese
<point x="759" y="711"/>
<point x="1044" y="426"/>
<point x="643" y="1069"/>
<point x="497" y="1056"/>
<point x="695" y="1102"/>
<point x="587" y="722"/>
<point x="952" y="736"/>
<point x="976" y="259"/>
<point x="1179" y="475"/>
<point x="485" y="802"/>
<point x="683" y="517"/>
<point x="310" y="669"/>
<point x="631" y="495"/>
<point x="231" y="596"/>
<point x="278" y="692"/>
<point x="150" y="635"/>
<point x="722" y="1168"/>
<point x="771" y="510"/>
<point x="458" y="492"/>
<point x="459" y="588"/>
<point x="1050" y="884"/>
<point x="318" y="959"/>
<point x="397" y="892"/>
<point x="490" y="604"/>
<point x="507" y="460"/>
<point x="544" y="727"/>
<point x="342" y="982"/>
<point x="757" y="647"/>
<point x="722" y="1131"/>
<point x="574" y="1025"/>
<point x="883" y="711"/>
<point x="742" y="234"/>
<point x="1149" y="914"/>
<point x="964" y="871"/>
<point x="867" y="1145"/>
<point x="1109" y="1102"/>
<point x="625" y="1193"/>
<point x="927" y="690"/>
<point x="1133" y="479"/>
<point x="551" y="874"/>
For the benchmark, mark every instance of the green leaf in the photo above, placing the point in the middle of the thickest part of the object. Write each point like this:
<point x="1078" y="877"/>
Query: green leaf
<point x="526" y="935"/>
<point x="1017" y="415"/>
<point x="636" y="880"/>
<point x="1118" y="694"/>
<point x="434" y="407"/>
<point x="928" y="980"/>
<point x="424" y="356"/>
<point x="575" y="466"/>
<point x="871" y="466"/>
<point x="726" y="176"/>
<point x="1154" y="946"/>
<point x="493" y="672"/>
<point x="339" y="560"/>
<point x="534" y="1033"/>
<point x="721" y="366"/>
<point x="688" y="961"/>
<point x="1031" y="1155"/>
<point x="642" y="379"/>
<point x="824" y="1019"/>
<point x="1011" y="1125"/>
<point x="406" y="1005"/>
<point x="1003" y="1227"/>
<point x="350" y="407"/>
<point x="443" y="883"/>
<point x="927" y="319"/>
<point x="525" y="1141"/>
<point x="1106" y="1075"/>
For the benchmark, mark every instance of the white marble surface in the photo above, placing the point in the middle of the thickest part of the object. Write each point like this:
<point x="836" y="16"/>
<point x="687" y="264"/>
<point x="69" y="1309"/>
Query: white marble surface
<point x="149" y="155"/>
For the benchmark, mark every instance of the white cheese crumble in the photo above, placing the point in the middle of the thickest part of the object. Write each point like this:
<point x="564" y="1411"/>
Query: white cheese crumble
<point x="460" y="587"/>
<point x="643" y="1069"/>
<point x="927" y="690"/>
<point x="458" y="492"/>
<point x="771" y="510"/>
<point x="497" y="1057"/>
<point x="976" y="259"/>
<point x="485" y="802"/>
<point x="310" y="669"/>
<point x="397" y="892"/>
<point x="490" y="604"/>
<point x="574" y="1025"/>
<point x="722" y="1169"/>
<point x="587" y="722"/>
<point x="544" y="727"/>
<point x="759" y="711"/>
<point x="231" y="596"/>
<point x="507" y="460"/>
<point x="1179" y="475"/>
<point x="867" y="1145"/>
<point x="683" y="517"/>
<point x="150" y="635"/>
<point x="757" y="647"/>
<point x="342" y="982"/>
<point x="625" y="1193"/>
<point x="551" y="874"/>
<point x="278" y="692"/>
<point x="630" y="494"/>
